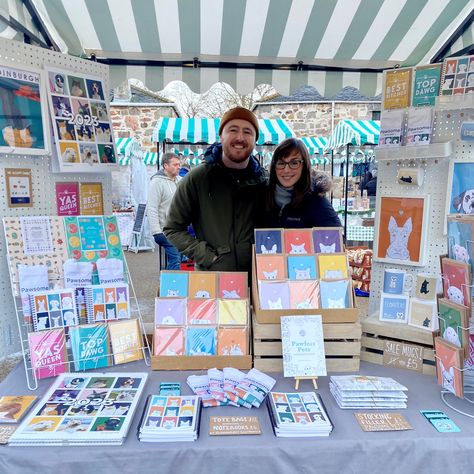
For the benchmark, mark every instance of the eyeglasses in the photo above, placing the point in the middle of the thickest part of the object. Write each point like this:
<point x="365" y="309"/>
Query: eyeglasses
<point x="293" y="164"/>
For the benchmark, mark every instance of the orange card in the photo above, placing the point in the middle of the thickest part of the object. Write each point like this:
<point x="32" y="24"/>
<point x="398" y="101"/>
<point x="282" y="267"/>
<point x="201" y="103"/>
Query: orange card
<point x="298" y="241"/>
<point x="202" y="285"/>
<point x="271" y="267"/>
<point x="232" y="341"/>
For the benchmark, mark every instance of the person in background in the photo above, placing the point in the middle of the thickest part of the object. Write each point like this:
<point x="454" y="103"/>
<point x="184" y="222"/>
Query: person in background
<point x="294" y="197"/>
<point x="220" y="199"/>
<point x="365" y="179"/>
<point x="163" y="186"/>
<point x="371" y="185"/>
<point x="185" y="168"/>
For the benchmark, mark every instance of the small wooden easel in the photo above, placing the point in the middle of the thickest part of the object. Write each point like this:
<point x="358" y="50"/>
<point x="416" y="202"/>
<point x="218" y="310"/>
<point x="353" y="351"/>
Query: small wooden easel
<point x="314" y="379"/>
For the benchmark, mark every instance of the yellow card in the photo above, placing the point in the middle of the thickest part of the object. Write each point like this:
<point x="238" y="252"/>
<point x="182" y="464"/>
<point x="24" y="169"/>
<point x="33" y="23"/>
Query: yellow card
<point x="125" y="337"/>
<point x="91" y="198"/>
<point x="233" y="312"/>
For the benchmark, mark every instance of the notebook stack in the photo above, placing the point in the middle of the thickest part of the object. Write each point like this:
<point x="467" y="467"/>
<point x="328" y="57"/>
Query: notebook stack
<point x="170" y="418"/>
<point x="295" y="415"/>
<point x="365" y="391"/>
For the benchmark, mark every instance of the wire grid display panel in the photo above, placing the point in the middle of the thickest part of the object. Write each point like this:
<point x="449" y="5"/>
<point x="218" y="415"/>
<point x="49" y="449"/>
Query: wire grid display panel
<point x="43" y="181"/>
<point x="446" y="127"/>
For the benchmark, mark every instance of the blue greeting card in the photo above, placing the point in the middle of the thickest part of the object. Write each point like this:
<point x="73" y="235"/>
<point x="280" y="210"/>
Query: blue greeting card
<point x="201" y="341"/>
<point x="268" y="241"/>
<point x="394" y="308"/>
<point x="174" y="284"/>
<point x="302" y="267"/>
<point x="334" y="294"/>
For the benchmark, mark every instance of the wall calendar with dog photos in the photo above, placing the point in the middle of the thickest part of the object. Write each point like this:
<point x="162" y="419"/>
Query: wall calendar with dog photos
<point x="83" y="409"/>
<point x="81" y="122"/>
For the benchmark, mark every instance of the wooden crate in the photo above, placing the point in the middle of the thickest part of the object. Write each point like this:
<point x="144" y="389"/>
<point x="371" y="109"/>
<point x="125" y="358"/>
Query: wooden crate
<point x="375" y="333"/>
<point x="341" y="344"/>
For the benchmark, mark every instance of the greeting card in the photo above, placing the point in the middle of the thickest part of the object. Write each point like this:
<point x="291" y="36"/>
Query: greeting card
<point x="426" y="85"/>
<point x="335" y="294"/>
<point x="460" y="238"/>
<point x="448" y="366"/>
<point x="232" y="341"/>
<point x="202" y="311"/>
<point x="271" y="267"/>
<point x="67" y="199"/>
<point x="89" y="345"/>
<point x="170" y="311"/>
<point x="298" y="241"/>
<point x="333" y="266"/>
<point x="327" y="239"/>
<point x="233" y="312"/>
<point x="174" y="284"/>
<point x="126" y="340"/>
<point x="274" y="294"/>
<point x="454" y="323"/>
<point x="302" y="267"/>
<point x="397" y="88"/>
<point x="202" y="285"/>
<point x="200" y="341"/>
<point x="91" y="199"/>
<point x="232" y="285"/>
<point x="304" y="294"/>
<point x="456" y="277"/>
<point x="268" y="241"/>
<point x="168" y="341"/>
<point x="423" y="314"/>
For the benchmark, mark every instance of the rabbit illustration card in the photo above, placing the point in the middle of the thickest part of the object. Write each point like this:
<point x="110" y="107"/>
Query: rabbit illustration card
<point x="297" y="241"/>
<point x="327" y="239"/>
<point x="168" y="341"/>
<point x="335" y="294"/>
<point x="304" y="294"/>
<point x="401" y="230"/>
<point x="201" y="311"/>
<point x="333" y="266"/>
<point x="233" y="285"/>
<point x="454" y="323"/>
<point x="232" y="341"/>
<point x="201" y="341"/>
<point x="302" y="267"/>
<point x="170" y="311"/>
<point x="202" y="285"/>
<point x="173" y="284"/>
<point x="268" y="241"/>
<point x="271" y="267"/>
<point x="274" y="294"/>
<point x="456" y="278"/>
<point x="232" y="312"/>
<point x="448" y="366"/>
<point x="423" y="314"/>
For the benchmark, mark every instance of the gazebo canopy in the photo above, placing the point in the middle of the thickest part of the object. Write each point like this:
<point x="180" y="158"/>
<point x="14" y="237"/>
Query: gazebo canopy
<point x="315" y="145"/>
<point x="354" y="132"/>
<point x="127" y="148"/>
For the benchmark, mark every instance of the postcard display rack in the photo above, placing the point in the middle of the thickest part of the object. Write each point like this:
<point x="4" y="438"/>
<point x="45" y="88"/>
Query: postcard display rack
<point x="18" y="55"/>
<point x="433" y="163"/>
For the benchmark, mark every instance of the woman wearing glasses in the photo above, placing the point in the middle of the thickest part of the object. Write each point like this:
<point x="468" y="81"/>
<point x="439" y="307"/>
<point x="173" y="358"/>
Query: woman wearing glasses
<point x="295" y="199"/>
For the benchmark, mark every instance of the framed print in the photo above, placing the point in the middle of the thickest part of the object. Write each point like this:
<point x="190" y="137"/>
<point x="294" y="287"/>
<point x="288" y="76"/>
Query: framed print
<point x="448" y="366"/>
<point x="454" y="323"/>
<point x="456" y="281"/>
<point x="423" y="314"/>
<point x="297" y="241"/>
<point x="327" y="239"/>
<point x="268" y="241"/>
<point x="82" y="127"/>
<point x="397" y="88"/>
<point x="394" y="308"/>
<point x="19" y="188"/>
<point x="401" y="230"/>
<point x="23" y="114"/>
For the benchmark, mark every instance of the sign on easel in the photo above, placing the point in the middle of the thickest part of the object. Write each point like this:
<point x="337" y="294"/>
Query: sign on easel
<point x="138" y="239"/>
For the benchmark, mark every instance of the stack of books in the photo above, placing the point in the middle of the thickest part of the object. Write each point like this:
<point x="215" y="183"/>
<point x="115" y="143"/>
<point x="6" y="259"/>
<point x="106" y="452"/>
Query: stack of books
<point x="170" y="418"/>
<point x="295" y="415"/>
<point x="365" y="391"/>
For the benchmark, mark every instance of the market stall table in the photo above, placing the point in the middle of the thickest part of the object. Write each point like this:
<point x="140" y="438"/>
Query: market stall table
<point x="347" y="449"/>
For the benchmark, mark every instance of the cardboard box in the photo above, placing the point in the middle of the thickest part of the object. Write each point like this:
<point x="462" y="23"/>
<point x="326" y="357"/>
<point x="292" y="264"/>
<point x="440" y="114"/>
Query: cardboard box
<point x="272" y="316"/>
<point x="200" y="362"/>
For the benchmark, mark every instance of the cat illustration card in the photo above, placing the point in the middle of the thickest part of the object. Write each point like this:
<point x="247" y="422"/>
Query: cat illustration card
<point x="297" y="241"/>
<point x="327" y="240"/>
<point x="271" y="267"/>
<point x="400" y="230"/>
<point x="454" y="323"/>
<point x="304" y="294"/>
<point x="333" y="266"/>
<point x="174" y="284"/>
<point x="456" y="281"/>
<point x="335" y="294"/>
<point x="448" y="366"/>
<point x="168" y="341"/>
<point x="202" y="285"/>
<point x="233" y="312"/>
<point x="202" y="311"/>
<point x="274" y="294"/>
<point x="233" y="285"/>
<point x="232" y="341"/>
<point x="268" y="241"/>
<point x="170" y="311"/>
<point x="201" y="341"/>
<point x="394" y="308"/>
<point x="302" y="267"/>
<point x="423" y="314"/>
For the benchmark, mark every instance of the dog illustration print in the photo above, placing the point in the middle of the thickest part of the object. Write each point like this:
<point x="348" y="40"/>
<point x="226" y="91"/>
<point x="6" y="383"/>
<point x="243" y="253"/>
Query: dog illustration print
<point x="464" y="203"/>
<point x="398" y="248"/>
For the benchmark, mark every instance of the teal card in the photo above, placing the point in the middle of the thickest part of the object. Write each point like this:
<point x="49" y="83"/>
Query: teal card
<point x="426" y="85"/>
<point x="440" y="421"/>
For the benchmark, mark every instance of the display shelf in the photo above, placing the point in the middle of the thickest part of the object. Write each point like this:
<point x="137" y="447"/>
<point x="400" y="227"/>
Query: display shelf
<point x="433" y="150"/>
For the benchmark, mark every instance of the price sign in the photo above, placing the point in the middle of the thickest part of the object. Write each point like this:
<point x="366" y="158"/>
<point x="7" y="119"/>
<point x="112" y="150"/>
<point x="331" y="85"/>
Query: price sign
<point x="403" y="356"/>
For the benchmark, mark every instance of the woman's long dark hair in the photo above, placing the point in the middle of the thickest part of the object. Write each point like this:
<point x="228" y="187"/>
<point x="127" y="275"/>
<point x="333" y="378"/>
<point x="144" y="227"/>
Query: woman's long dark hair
<point x="303" y="185"/>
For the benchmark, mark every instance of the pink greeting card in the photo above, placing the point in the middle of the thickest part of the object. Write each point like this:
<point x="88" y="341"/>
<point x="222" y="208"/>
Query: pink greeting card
<point x="304" y="294"/>
<point x="201" y="311"/>
<point x="168" y="341"/>
<point x="67" y="199"/>
<point x="233" y="285"/>
<point x="298" y="241"/>
<point x="271" y="267"/>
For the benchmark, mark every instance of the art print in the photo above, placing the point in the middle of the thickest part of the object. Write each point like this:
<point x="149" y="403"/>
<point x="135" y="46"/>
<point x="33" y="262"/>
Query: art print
<point x="19" y="188"/>
<point x="232" y="341"/>
<point x="274" y="295"/>
<point x="297" y="241"/>
<point x="460" y="192"/>
<point x="401" y="230"/>
<point x="168" y="341"/>
<point x="201" y="311"/>
<point x="232" y="312"/>
<point x="460" y="239"/>
<point x="397" y="88"/>
<point x="448" y="366"/>
<point x="456" y="281"/>
<point x="170" y="311"/>
<point x="304" y="294"/>
<point x="335" y="294"/>
<point x="24" y="125"/>
<point x="327" y="239"/>
<point x="36" y="235"/>
<point x="268" y="241"/>
<point x="201" y="341"/>
<point x="174" y="284"/>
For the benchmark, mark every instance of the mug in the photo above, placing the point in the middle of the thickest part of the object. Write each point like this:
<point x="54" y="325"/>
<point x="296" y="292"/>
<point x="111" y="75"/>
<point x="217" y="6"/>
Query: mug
<point x="396" y="282"/>
<point x="427" y="286"/>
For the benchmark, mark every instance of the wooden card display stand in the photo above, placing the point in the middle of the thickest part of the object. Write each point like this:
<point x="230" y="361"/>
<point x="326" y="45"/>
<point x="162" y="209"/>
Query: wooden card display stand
<point x="375" y="333"/>
<point x="314" y="379"/>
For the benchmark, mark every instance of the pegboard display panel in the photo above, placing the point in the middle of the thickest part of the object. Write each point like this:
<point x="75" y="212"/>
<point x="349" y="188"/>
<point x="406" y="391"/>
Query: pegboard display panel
<point x="43" y="180"/>
<point x="446" y="127"/>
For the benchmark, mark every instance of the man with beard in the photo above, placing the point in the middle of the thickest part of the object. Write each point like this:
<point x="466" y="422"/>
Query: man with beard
<point x="220" y="199"/>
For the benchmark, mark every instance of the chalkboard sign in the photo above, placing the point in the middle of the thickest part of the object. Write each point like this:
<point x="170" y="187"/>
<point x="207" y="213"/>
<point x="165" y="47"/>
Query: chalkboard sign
<point x="138" y="224"/>
<point x="402" y="355"/>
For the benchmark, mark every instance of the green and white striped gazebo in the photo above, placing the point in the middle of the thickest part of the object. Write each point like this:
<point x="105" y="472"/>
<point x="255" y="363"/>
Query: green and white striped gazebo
<point x="354" y="132"/>
<point x="204" y="130"/>
<point x="126" y="149"/>
<point x="151" y="158"/>
<point x="315" y="145"/>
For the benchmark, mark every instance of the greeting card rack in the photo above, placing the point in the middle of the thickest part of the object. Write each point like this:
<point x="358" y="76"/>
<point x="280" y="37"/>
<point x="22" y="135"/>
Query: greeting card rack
<point x="25" y="327"/>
